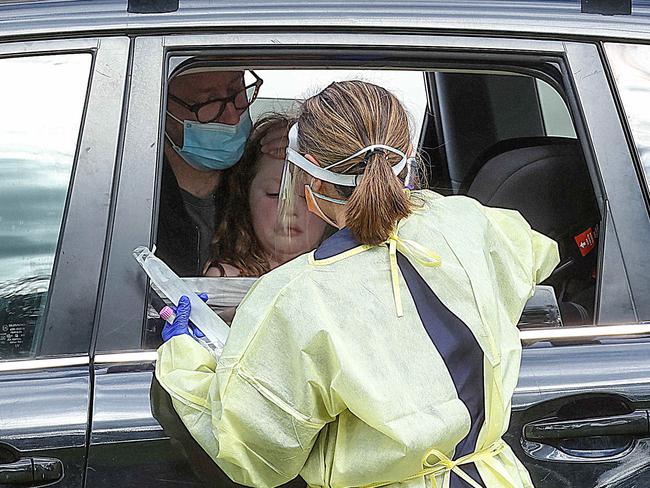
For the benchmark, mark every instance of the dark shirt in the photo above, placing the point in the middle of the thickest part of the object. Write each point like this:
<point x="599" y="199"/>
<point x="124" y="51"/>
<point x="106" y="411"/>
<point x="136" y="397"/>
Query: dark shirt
<point x="203" y="212"/>
<point x="184" y="231"/>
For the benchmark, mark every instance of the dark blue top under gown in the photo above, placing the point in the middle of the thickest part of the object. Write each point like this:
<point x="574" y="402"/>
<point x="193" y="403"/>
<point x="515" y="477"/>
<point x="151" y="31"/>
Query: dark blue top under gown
<point x="452" y="338"/>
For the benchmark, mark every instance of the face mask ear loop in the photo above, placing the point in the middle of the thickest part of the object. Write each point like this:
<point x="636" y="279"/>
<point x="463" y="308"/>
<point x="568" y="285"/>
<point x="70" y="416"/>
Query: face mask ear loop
<point x="174" y="146"/>
<point x="337" y="201"/>
<point x="313" y="207"/>
<point x="174" y="117"/>
<point x="170" y="140"/>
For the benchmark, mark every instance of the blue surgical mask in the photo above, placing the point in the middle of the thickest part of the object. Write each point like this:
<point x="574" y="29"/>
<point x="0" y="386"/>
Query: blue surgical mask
<point x="213" y="146"/>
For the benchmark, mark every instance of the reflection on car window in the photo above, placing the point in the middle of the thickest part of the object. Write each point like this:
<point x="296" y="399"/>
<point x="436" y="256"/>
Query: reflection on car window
<point x="631" y="66"/>
<point x="42" y="101"/>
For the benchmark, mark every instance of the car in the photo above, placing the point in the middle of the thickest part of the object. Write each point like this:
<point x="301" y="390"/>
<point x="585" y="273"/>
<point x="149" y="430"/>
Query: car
<point x="538" y="105"/>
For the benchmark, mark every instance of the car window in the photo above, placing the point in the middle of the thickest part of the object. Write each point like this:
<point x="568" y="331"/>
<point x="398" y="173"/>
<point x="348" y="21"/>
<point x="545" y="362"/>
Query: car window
<point x="555" y="113"/>
<point x="42" y="100"/>
<point x="631" y="67"/>
<point x="508" y="140"/>
<point x="246" y="199"/>
<point x="539" y="121"/>
<point x="476" y="109"/>
<point x="283" y="90"/>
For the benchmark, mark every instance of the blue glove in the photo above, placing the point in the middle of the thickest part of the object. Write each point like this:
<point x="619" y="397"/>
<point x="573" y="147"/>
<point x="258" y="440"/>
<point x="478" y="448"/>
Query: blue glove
<point x="181" y="324"/>
<point x="196" y="330"/>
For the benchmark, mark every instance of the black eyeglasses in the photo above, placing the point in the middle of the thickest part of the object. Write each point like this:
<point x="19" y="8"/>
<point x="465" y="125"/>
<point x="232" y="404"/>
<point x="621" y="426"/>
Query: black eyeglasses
<point x="211" y="110"/>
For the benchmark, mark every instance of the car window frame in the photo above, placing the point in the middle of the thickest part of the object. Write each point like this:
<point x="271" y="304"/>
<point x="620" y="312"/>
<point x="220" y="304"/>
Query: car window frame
<point x="72" y="297"/>
<point x="607" y="164"/>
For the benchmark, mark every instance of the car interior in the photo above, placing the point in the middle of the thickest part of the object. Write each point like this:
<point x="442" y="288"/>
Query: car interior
<point x="503" y="137"/>
<point x="523" y="156"/>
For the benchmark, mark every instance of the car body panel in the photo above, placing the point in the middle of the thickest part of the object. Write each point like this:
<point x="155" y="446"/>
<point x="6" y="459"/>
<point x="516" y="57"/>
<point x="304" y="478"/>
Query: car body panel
<point x="45" y="402"/>
<point x="597" y="376"/>
<point x="131" y="377"/>
<point x="45" y="415"/>
<point x="544" y="17"/>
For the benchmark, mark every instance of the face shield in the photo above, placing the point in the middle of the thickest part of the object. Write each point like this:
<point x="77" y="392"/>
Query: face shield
<point x="298" y="172"/>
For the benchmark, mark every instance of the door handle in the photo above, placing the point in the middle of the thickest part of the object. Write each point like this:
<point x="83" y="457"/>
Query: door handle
<point x="21" y="471"/>
<point x="636" y="423"/>
<point x="31" y="471"/>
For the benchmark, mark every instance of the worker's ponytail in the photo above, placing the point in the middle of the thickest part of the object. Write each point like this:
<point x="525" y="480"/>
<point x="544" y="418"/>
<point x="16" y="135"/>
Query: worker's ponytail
<point x="378" y="203"/>
<point x="343" y="119"/>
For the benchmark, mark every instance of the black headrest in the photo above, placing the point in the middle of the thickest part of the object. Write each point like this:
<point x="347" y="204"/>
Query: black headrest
<point x="545" y="178"/>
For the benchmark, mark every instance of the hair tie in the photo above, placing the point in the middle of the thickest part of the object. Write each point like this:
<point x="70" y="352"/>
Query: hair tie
<point x="370" y="152"/>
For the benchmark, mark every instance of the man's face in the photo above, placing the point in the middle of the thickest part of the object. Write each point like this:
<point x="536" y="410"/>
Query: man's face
<point x="197" y="88"/>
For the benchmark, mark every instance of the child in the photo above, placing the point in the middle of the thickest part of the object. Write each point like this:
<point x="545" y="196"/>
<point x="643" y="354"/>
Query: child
<point x="249" y="241"/>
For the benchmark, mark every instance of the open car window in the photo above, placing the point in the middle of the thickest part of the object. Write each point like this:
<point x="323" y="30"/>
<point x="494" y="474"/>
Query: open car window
<point x="283" y="92"/>
<point x="475" y="141"/>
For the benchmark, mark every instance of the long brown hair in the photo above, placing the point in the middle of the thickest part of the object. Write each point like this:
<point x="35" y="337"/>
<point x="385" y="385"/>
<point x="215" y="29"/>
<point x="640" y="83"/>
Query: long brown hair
<point x="235" y="242"/>
<point x="343" y="118"/>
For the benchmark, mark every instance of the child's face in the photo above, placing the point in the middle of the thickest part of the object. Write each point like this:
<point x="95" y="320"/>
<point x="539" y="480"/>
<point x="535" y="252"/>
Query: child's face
<point x="306" y="229"/>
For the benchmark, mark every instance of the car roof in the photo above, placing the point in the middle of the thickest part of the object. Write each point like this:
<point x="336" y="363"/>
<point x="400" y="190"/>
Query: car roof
<point x="543" y="18"/>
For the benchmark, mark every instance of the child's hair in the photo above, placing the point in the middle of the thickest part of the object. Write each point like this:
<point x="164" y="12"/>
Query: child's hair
<point x="339" y="121"/>
<point x="235" y="242"/>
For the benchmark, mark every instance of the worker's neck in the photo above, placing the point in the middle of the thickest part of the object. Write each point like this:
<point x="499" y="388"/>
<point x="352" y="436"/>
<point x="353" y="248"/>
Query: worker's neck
<point x="201" y="184"/>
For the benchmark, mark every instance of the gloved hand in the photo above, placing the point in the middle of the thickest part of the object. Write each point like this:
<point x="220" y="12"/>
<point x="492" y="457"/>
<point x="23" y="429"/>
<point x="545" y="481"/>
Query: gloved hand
<point x="181" y="324"/>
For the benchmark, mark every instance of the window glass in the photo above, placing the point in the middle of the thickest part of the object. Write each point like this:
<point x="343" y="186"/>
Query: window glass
<point x="42" y="100"/>
<point x="557" y="120"/>
<point x="631" y="66"/>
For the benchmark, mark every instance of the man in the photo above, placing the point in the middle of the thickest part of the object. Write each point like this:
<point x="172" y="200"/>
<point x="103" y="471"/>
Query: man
<point x="207" y="126"/>
<point x="206" y="129"/>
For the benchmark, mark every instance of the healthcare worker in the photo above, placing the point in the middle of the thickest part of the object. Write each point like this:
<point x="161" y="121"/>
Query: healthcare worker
<point x="389" y="355"/>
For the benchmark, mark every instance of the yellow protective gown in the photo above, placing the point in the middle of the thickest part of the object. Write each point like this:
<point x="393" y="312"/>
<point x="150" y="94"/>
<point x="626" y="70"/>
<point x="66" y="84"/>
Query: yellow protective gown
<point x="320" y="377"/>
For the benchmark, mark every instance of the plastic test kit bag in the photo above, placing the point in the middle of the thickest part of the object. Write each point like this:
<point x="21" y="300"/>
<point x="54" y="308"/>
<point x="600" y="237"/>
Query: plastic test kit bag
<point x="215" y="329"/>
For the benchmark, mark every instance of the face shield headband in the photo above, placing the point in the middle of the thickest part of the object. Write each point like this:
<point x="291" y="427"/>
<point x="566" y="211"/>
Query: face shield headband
<point x="293" y="157"/>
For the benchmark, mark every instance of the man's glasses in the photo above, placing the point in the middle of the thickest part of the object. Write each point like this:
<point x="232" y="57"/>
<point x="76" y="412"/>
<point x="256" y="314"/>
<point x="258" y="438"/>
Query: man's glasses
<point x="211" y="110"/>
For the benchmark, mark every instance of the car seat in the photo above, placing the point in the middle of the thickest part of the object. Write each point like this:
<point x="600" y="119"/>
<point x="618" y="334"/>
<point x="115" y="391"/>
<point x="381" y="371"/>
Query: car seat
<point x="547" y="180"/>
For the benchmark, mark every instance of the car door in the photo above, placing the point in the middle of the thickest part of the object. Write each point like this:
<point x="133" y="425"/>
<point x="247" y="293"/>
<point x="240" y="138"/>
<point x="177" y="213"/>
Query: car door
<point x="581" y="407"/>
<point x="134" y="428"/>
<point x="579" y="413"/>
<point x="573" y="379"/>
<point x="61" y="104"/>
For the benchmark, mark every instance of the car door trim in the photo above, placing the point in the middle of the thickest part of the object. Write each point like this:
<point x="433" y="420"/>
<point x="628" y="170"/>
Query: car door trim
<point x="585" y="332"/>
<point x="526" y="336"/>
<point x="306" y="40"/>
<point x="45" y="363"/>
<point x="126" y="357"/>
<point x="12" y="49"/>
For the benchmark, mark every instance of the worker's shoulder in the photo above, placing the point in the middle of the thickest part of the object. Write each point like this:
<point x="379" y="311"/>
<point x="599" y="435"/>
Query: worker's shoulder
<point x="456" y="208"/>
<point x="434" y="207"/>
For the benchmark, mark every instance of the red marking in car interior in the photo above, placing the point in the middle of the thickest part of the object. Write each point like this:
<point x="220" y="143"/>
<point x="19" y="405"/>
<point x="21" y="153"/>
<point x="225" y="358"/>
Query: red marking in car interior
<point x="586" y="241"/>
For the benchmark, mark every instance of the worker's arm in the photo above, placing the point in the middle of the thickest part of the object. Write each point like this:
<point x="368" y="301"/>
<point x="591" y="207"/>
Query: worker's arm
<point x="259" y="411"/>
<point x="536" y="254"/>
